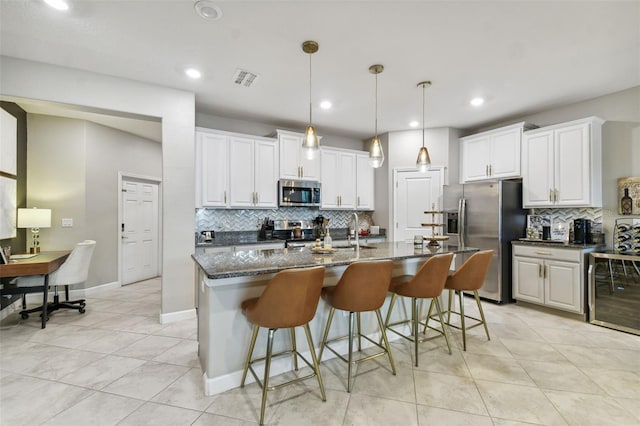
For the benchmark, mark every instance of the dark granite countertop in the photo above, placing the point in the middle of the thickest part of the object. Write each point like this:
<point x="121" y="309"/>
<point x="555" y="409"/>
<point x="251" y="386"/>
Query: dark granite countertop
<point x="558" y="244"/>
<point x="239" y="238"/>
<point x="257" y="262"/>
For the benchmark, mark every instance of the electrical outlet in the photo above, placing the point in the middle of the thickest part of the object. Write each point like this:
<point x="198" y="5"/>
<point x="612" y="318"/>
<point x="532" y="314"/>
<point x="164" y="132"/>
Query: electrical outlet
<point x="67" y="223"/>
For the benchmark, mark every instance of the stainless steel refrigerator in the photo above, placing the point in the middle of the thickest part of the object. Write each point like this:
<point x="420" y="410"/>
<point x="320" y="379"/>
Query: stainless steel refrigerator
<point x="487" y="215"/>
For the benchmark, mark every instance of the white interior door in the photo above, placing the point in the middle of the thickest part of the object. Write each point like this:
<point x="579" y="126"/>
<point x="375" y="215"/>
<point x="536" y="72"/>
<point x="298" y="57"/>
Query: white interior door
<point x="139" y="230"/>
<point x="416" y="192"/>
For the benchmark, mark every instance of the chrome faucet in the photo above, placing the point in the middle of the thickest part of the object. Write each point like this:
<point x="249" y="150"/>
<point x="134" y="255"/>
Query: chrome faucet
<point x="355" y="230"/>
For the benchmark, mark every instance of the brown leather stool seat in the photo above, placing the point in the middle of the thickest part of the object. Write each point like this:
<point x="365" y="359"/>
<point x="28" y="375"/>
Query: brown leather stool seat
<point x="469" y="277"/>
<point x="363" y="287"/>
<point x="427" y="283"/>
<point x="289" y="300"/>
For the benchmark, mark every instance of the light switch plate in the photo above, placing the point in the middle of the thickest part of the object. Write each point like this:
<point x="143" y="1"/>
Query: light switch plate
<point x="67" y="223"/>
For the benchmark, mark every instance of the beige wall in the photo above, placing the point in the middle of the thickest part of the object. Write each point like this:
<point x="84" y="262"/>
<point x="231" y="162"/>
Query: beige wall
<point x="73" y="169"/>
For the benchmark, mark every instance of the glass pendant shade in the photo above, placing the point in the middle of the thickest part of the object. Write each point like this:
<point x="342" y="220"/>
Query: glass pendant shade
<point x="423" y="162"/>
<point x="376" y="155"/>
<point x="310" y="143"/>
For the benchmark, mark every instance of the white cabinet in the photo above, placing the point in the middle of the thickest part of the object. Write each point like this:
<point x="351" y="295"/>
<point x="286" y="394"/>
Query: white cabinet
<point x="347" y="179"/>
<point x="293" y="162"/>
<point x="244" y="247"/>
<point x="236" y="170"/>
<point x="212" y="169"/>
<point x="562" y="165"/>
<point x="253" y="172"/>
<point x="491" y="155"/>
<point x="364" y="183"/>
<point x="550" y="276"/>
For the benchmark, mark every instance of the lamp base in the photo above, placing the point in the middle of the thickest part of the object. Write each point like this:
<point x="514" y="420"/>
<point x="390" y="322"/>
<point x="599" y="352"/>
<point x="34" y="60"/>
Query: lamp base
<point x="34" y="250"/>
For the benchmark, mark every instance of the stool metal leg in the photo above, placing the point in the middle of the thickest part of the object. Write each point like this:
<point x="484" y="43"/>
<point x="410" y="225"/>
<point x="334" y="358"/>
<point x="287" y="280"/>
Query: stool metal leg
<point x="252" y="344"/>
<point x="386" y="341"/>
<point x="484" y="322"/>
<point x="359" y="333"/>
<point x="292" y="332"/>
<point x="464" y="333"/>
<point x="315" y="360"/>
<point x="267" y="367"/>
<point x="442" y="324"/>
<point x="326" y="333"/>
<point x="451" y="293"/>
<point x="350" y="356"/>
<point x="414" y="317"/>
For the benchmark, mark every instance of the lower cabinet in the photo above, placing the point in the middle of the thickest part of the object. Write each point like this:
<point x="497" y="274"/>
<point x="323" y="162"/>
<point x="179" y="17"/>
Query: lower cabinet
<point x="244" y="247"/>
<point x="550" y="276"/>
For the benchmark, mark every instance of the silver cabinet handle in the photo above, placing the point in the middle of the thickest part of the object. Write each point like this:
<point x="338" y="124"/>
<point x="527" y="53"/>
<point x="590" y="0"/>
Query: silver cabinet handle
<point x="490" y="170"/>
<point x="544" y="253"/>
<point x="544" y="270"/>
<point x="301" y="171"/>
<point x="358" y="200"/>
<point x="540" y="270"/>
<point x="550" y="195"/>
<point x="486" y="170"/>
<point x="257" y="198"/>
<point x="555" y="195"/>
<point x="225" y="197"/>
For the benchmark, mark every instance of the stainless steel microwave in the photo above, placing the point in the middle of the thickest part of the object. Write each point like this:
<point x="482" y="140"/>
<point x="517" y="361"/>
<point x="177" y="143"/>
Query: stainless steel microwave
<point x="298" y="193"/>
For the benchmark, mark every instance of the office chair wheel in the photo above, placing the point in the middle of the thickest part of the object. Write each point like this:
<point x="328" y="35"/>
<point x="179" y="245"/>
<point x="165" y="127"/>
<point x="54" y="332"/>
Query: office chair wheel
<point x="24" y="316"/>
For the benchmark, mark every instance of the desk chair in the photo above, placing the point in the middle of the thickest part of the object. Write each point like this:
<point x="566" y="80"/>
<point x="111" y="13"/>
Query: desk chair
<point x="73" y="271"/>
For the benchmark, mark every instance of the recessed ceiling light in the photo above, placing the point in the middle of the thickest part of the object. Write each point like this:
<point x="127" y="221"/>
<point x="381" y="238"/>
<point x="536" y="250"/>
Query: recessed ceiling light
<point x="58" y="4"/>
<point x="414" y="123"/>
<point x="193" y="73"/>
<point x="476" y="102"/>
<point x="207" y="10"/>
<point x="325" y="105"/>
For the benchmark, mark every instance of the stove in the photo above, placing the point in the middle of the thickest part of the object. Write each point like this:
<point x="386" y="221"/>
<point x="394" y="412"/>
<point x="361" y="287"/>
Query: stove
<point x="295" y="233"/>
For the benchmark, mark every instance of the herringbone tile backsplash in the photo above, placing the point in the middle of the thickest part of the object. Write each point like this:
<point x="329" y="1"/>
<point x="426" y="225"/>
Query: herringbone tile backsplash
<point x="567" y="215"/>
<point x="250" y="219"/>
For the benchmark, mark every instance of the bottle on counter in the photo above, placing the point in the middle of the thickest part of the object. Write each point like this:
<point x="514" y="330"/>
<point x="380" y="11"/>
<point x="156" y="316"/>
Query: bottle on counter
<point x="626" y="203"/>
<point x="328" y="242"/>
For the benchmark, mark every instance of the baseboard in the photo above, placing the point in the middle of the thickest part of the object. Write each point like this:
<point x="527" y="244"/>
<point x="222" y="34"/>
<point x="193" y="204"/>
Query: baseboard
<point x="177" y="316"/>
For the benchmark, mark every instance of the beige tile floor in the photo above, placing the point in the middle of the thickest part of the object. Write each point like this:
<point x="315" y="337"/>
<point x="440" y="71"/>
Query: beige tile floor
<point x="117" y="365"/>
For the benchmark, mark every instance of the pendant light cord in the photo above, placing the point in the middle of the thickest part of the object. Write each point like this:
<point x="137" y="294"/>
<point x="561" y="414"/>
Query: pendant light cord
<point x="376" y="135"/>
<point x="310" y="103"/>
<point x="423" y="89"/>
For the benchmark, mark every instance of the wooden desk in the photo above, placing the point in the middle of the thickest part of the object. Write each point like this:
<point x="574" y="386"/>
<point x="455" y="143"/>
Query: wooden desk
<point x="41" y="264"/>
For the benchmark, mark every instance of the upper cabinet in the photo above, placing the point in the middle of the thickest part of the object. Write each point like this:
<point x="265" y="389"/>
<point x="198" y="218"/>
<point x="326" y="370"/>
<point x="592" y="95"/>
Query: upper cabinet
<point x="562" y="165"/>
<point x="293" y="163"/>
<point x="236" y="170"/>
<point x="212" y="169"/>
<point x="347" y="179"/>
<point x="491" y="155"/>
<point x="364" y="183"/>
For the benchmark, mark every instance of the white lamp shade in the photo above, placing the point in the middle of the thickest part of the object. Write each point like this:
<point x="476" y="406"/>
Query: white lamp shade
<point x="34" y="218"/>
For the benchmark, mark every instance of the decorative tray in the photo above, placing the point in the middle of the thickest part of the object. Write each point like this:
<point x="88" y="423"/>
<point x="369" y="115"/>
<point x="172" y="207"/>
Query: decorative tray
<point x="322" y="250"/>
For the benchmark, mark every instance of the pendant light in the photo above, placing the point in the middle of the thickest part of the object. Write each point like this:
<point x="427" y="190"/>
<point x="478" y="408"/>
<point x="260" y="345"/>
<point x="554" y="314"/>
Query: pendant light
<point x="423" y="161"/>
<point x="376" y="155"/>
<point x="310" y="143"/>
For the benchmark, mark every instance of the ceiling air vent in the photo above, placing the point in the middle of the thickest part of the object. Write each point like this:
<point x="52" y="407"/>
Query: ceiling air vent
<point x="244" y="78"/>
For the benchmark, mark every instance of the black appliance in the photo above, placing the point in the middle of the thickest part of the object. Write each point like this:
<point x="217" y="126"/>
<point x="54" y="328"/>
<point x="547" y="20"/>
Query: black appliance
<point x="266" y="229"/>
<point x="298" y="193"/>
<point x="295" y="233"/>
<point x="581" y="231"/>
<point x="320" y="226"/>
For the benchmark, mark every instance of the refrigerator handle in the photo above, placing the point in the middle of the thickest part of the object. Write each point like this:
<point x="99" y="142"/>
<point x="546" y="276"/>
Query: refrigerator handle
<point x="462" y="220"/>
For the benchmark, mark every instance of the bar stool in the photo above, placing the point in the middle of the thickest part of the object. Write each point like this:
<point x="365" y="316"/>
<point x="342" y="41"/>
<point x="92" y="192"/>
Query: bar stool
<point x="469" y="277"/>
<point x="427" y="283"/>
<point x="289" y="300"/>
<point x="363" y="287"/>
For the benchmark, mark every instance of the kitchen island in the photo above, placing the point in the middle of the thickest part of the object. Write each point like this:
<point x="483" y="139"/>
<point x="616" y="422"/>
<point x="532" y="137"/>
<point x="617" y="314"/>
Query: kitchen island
<point x="224" y="280"/>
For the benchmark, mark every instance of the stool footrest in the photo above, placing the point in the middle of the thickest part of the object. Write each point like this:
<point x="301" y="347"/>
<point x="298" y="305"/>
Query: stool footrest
<point x="361" y="359"/>
<point x="281" y="385"/>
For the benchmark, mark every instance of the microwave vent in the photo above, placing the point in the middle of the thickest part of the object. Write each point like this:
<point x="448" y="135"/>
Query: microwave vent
<point x="244" y="78"/>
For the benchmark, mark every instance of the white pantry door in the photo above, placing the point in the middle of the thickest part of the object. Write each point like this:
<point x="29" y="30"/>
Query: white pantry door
<point x="139" y="230"/>
<point x="415" y="193"/>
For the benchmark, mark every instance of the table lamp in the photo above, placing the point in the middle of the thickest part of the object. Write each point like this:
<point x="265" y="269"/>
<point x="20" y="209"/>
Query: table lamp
<point x="35" y="219"/>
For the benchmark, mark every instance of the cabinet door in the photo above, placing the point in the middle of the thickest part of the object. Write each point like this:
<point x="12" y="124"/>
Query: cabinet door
<point x="310" y="167"/>
<point x="330" y="179"/>
<point x="505" y="154"/>
<point x="364" y="183"/>
<point x="528" y="281"/>
<point x="537" y="176"/>
<point x="290" y="147"/>
<point x="215" y="169"/>
<point x="563" y="286"/>
<point x="241" y="172"/>
<point x="347" y="180"/>
<point x="266" y="173"/>
<point x="572" y="170"/>
<point x="476" y="157"/>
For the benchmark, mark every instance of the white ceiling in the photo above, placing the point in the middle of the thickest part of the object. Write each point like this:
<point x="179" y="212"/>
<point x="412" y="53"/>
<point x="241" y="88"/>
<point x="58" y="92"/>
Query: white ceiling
<point x="522" y="57"/>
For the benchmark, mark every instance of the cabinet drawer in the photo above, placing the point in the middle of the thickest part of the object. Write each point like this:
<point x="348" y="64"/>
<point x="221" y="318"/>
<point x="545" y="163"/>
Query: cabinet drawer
<point x="554" y="253"/>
